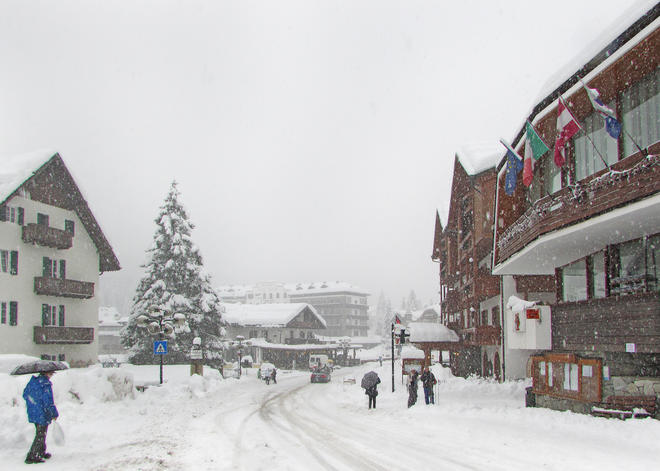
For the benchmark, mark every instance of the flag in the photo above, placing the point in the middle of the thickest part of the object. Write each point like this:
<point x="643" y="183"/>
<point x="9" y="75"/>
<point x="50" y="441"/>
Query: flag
<point x="612" y="125"/>
<point x="514" y="164"/>
<point x="535" y="148"/>
<point x="567" y="127"/>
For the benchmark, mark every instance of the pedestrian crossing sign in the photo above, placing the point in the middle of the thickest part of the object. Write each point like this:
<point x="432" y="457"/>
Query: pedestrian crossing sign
<point x="160" y="347"/>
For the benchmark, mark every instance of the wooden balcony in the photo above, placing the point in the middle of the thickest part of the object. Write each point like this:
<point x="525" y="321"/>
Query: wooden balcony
<point x="484" y="335"/>
<point x="63" y="287"/>
<point x="47" y="236"/>
<point x="632" y="185"/>
<point x="63" y="335"/>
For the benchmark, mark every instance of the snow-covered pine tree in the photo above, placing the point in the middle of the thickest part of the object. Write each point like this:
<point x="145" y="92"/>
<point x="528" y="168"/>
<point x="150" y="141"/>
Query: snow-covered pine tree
<point x="175" y="280"/>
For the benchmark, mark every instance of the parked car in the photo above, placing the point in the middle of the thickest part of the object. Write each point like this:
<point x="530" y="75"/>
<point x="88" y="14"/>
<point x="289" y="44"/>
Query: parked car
<point x="320" y="375"/>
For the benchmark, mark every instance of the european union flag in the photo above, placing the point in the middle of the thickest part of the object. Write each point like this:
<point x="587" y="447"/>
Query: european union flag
<point x="513" y="167"/>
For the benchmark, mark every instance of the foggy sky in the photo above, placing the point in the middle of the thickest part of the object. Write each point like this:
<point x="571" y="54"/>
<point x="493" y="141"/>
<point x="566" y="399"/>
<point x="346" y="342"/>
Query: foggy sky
<point x="311" y="140"/>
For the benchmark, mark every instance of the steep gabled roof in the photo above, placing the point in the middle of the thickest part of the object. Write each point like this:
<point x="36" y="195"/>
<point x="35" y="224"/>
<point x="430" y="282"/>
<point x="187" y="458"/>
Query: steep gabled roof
<point x="436" y="237"/>
<point x="47" y="180"/>
<point x="266" y="315"/>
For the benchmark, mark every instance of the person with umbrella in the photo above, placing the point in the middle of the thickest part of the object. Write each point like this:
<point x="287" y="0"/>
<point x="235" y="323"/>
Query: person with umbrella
<point x="41" y="410"/>
<point x="370" y="383"/>
<point x="412" y="388"/>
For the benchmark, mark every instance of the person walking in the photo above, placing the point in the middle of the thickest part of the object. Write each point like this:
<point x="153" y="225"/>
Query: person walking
<point x="412" y="388"/>
<point x="372" y="392"/>
<point x="428" y="380"/>
<point x="273" y="376"/>
<point x="41" y="410"/>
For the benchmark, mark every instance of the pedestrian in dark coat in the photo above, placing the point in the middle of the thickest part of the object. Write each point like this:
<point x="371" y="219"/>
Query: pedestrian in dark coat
<point x="372" y="392"/>
<point x="428" y="380"/>
<point x="41" y="410"/>
<point x="273" y="376"/>
<point x="412" y="388"/>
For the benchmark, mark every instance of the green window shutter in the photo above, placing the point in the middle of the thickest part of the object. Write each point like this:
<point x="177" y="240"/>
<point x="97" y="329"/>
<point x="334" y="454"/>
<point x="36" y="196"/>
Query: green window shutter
<point x="13" y="313"/>
<point x="13" y="262"/>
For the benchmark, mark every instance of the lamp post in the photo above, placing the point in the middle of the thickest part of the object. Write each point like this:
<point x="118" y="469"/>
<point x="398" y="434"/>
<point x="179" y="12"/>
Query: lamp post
<point x="161" y="323"/>
<point x="239" y="341"/>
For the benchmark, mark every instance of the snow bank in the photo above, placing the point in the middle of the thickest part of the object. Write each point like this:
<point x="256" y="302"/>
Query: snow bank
<point x="518" y="305"/>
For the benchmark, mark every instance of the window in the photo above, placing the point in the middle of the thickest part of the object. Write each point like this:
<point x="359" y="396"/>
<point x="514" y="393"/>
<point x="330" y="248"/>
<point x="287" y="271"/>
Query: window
<point x="3" y="313"/>
<point x="484" y="317"/>
<point x="49" y="315"/>
<point x="551" y="175"/>
<point x="70" y="227"/>
<point x="574" y="281"/>
<point x="550" y="380"/>
<point x="61" y="318"/>
<point x="54" y="268"/>
<point x="598" y="281"/>
<point x="42" y="219"/>
<point x="570" y="376"/>
<point x="587" y="158"/>
<point x="641" y="118"/>
<point x="496" y="315"/>
<point x="628" y="267"/>
<point x="542" y="368"/>
<point x="9" y="262"/>
<point x="652" y="259"/>
<point x="13" y="313"/>
<point x="61" y="357"/>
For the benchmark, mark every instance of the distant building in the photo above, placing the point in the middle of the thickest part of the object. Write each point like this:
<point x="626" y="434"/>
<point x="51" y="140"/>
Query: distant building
<point x="110" y="324"/>
<point x="342" y="305"/>
<point x="52" y="251"/>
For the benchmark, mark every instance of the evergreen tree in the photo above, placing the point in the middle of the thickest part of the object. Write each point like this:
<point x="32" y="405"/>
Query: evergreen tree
<point x="175" y="280"/>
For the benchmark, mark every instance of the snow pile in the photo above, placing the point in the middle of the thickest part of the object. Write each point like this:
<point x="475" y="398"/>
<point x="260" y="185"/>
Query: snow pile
<point x="431" y="332"/>
<point x="518" y="305"/>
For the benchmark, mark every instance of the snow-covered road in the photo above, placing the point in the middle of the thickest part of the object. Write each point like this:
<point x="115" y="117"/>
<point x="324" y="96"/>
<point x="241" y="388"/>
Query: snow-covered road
<point x="202" y="424"/>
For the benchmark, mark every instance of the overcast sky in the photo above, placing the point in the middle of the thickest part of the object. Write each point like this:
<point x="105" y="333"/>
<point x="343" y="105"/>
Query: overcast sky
<point x="312" y="140"/>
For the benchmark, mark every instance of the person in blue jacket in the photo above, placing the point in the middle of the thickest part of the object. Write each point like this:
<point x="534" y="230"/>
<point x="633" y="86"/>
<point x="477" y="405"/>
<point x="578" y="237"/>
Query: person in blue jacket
<point x="41" y="410"/>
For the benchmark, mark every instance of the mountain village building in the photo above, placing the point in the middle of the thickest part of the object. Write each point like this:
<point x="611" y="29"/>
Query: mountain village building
<point x="470" y="295"/>
<point x="342" y="305"/>
<point x="52" y="252"/>
<point x="593" y="226"/>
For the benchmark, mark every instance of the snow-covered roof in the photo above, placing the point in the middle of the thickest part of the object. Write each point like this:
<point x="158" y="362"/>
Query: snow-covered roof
<point x="323" y="287"/>
<point x="431" y="332"/>
<point x="265" y="315"/>
<point x="110" y="316"/>
<point x="17" y="169"/>
<point x="261" y="342"/>
<point x="478" y="157"/>
<point x="299" y="288"/>
<point x="592" y="48"/>
<point x="434" y="309"/>
<point x="410" y="352"/>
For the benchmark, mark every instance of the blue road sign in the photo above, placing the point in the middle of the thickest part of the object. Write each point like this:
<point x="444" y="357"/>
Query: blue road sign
<point x="160" y="347"/>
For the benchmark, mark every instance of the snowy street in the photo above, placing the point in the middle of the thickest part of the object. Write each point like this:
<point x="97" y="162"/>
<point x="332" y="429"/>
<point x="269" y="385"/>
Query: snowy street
<point x="214" y="424"/>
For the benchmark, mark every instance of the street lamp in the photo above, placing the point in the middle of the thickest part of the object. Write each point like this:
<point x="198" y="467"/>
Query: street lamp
<point x="161" y="323"/>
<point x="239" y="342"/>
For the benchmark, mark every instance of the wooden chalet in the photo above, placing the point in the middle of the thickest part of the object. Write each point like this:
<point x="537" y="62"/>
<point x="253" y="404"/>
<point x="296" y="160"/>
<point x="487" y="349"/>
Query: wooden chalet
<point x="593" y="226"/>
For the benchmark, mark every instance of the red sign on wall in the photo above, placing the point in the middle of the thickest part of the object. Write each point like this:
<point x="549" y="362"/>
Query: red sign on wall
<point x="533" y="313"/>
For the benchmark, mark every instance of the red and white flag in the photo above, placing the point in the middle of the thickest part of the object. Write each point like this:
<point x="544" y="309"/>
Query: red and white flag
<point x="567" y="126"/>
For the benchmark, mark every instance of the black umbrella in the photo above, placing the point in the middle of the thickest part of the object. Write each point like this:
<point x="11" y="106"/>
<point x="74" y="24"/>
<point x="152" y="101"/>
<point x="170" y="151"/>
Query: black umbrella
<point x="39" y="366"/>
<point x="369" y="380"/>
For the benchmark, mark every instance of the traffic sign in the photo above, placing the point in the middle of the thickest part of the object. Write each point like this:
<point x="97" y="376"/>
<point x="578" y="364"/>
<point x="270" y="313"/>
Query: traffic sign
<point x="160" y="347"/>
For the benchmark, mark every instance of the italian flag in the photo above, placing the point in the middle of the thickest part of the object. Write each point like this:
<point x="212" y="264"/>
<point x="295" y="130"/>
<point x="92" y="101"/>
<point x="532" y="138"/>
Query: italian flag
<point x="567" y="126"/>
<point x="535" y="148"/>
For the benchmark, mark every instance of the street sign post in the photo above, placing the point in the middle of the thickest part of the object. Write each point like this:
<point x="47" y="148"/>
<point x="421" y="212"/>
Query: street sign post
<point x="160" y="349"/>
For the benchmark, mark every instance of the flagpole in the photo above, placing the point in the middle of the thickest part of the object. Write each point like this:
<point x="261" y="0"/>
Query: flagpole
<point x="586" y="134"/>
<point x="644" y="153"/>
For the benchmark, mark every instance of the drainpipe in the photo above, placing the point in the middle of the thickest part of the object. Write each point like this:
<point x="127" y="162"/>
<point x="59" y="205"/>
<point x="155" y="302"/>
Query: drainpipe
<point x="502" y="333"/>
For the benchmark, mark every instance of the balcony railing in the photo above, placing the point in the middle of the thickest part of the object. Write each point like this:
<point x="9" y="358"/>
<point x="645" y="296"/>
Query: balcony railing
<point x="63" y="287"/>
<point x="47" y="236"/>
<point x="485" y="335"/>
<point x="627" y="181"/>
<point x="63" y="335"/>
